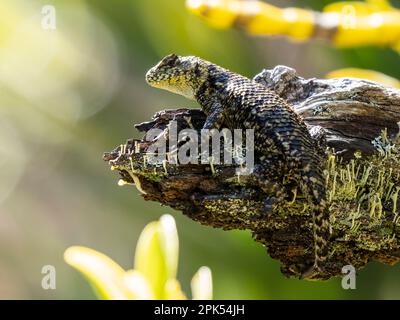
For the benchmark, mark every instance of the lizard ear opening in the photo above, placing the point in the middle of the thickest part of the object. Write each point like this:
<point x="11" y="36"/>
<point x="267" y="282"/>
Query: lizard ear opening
<point x="169" y="60"/>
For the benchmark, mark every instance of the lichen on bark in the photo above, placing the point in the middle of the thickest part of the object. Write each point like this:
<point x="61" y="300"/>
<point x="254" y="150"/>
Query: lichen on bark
<point x="356" y="120"/>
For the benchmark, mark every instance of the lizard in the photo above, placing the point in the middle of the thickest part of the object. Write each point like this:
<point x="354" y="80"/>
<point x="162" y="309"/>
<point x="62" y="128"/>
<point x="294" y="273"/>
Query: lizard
<point x="282" y="141"/>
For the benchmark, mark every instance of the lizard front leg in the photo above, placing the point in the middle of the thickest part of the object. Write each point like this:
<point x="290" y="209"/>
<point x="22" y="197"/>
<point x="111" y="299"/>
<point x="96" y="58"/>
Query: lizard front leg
<point x="213" y="121"/>
<point x="215" y="118"/>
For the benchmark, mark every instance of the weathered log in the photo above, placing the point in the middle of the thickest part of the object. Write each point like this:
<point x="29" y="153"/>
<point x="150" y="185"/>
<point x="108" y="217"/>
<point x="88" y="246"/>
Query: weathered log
<point x="352" y="111"/>
<point x="363" y="188"/>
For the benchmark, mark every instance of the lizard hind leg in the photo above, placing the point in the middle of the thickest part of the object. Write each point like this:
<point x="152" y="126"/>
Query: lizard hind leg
<point x="270" y="182"/>
<point x="278" y="196"/>
<point x="275" y="192"/>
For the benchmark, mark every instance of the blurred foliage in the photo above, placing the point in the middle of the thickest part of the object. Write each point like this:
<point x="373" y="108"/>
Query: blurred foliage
<point x="344" y="23"/>
<point x="69" y="94"/>
<point x="364" y="74"/>
<point x="154" y="276"/>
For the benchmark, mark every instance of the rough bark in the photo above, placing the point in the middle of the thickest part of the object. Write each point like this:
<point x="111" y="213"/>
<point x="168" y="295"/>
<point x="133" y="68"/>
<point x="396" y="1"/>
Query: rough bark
<point x="363" y="191"/>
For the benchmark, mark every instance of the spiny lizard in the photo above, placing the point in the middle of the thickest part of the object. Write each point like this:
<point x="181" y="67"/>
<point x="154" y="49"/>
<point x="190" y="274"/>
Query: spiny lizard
<point x="283" y="144"/>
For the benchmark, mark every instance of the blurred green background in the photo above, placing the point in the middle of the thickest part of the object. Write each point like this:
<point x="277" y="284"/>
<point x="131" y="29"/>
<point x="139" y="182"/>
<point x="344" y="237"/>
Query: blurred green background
<point x="69" y="94"/>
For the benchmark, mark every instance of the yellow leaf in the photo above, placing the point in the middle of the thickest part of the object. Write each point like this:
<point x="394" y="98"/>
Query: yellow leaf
<point x="213" y="11"/>
<point x="157" y="252"/>
<point x="173" y="290"/>
<point x="349" y="7"/>
<point x="170" y="242"/>
<point x="256" y="17"/>
<point x="382" y="4"/>
<point x="150" y="260"/>
<point x="137" y="285"/>
<point x="102" y="273"/>
<point x="201" y="284"/>
<point x="371" y="75"/>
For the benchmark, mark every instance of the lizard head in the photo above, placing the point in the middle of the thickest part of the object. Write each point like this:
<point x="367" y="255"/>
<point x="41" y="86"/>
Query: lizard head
<point x="181" y="75"/>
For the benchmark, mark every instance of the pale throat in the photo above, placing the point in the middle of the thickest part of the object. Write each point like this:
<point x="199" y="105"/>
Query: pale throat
<point x="181" y="89"/>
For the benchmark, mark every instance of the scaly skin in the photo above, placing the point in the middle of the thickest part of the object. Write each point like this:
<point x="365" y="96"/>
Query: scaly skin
<point x="282" y="143"/>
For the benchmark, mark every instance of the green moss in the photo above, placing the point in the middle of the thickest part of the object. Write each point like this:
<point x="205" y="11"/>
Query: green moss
<point x="364" y="193"/>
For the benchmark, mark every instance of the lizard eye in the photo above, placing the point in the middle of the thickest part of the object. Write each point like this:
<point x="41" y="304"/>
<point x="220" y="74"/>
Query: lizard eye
<point x="169" y="61"/>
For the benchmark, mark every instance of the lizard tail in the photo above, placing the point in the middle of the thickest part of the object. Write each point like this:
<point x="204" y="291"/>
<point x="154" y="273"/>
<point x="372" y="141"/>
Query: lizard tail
<point x="314" y="190"/>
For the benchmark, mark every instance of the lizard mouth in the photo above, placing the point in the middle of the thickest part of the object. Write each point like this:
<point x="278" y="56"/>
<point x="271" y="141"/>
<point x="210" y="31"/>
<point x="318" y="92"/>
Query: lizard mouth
<point x="174" y="83"/>
<point x="157" y="80"/>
